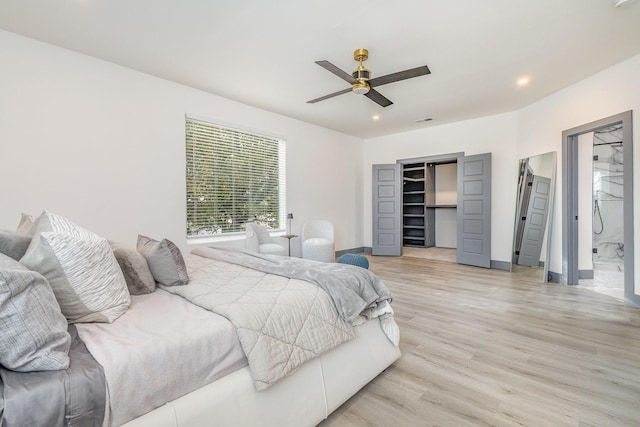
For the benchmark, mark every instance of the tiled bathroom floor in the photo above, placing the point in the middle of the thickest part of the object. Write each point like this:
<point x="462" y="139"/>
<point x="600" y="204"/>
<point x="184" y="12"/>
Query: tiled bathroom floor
<point x="608" y="279"/>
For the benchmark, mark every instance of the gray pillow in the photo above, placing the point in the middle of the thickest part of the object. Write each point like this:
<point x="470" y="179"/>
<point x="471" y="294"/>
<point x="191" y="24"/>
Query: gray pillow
<point x="81" y="269"/>
<point x="136" y="271"/>
<point x="13" y="244"/>
<point x="33" y="331"/>
<point x="165" y="261"/>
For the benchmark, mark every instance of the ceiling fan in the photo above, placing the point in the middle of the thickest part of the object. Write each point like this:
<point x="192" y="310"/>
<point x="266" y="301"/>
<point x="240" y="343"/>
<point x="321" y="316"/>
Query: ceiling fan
<point x="361" y="83"/>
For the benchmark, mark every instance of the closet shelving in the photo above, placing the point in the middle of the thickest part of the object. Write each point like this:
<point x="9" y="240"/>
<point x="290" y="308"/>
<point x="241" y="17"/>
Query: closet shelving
<point x="419" y="203"/>
<point x="413" y="204"/>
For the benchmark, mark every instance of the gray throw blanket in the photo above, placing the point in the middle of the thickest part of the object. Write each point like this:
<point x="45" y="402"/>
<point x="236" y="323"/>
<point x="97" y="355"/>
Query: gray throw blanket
<point x="281" y="323"/>
<point x="354" y="290"/>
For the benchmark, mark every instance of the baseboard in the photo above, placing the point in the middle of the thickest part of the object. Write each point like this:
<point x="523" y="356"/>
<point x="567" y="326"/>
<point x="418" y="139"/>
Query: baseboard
<point x="500" y="265"/>
<point x="585" y="274"/>
<point x="554" y="277"/>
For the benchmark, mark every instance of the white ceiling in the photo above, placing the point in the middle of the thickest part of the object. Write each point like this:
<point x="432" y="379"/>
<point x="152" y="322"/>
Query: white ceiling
<point x="262" y="52"/>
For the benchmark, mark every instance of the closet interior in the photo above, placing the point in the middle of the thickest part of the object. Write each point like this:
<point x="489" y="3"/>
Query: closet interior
<point x="429" y="202"/>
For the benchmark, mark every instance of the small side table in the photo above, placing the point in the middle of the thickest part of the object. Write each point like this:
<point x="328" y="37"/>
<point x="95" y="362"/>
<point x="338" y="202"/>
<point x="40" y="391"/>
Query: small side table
<point x="289" y="237"/>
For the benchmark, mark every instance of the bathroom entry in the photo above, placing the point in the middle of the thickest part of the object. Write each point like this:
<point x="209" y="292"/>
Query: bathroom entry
<point x="608" y="211"/>
<point x="609" y="180"/>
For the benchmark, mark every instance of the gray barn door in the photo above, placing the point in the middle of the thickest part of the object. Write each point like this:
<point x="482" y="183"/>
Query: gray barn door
<point x="534" y="222"/>
<point x="474" y="210"/>
<point x="387" y="214"/>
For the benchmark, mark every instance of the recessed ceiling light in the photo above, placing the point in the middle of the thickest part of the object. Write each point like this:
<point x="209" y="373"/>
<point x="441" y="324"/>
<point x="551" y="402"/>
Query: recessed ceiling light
<point x="523" y="81"/>
<point x="376" y="117"/>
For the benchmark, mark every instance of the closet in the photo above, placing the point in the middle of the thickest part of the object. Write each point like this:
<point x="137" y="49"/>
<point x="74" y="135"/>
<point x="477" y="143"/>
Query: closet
<point x="442" y="201"/>
<point x="429" y="201"/>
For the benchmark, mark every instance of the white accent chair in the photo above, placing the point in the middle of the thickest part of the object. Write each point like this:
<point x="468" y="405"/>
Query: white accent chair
<point x="317" y="241"/>
<point x="259" y="240"/>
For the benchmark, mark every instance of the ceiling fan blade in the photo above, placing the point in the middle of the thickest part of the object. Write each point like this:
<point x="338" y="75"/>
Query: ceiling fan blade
<point x="378" y="98"/>
<point x="322" y="98"/>
<point x="337" y="71"/>
<point x="400" y="75"/>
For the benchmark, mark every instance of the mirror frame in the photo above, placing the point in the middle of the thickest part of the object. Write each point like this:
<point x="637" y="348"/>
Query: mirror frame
<point x="550" y="214"/>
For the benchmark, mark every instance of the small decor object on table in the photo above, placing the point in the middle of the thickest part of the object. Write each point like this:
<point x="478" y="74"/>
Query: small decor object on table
<point x="354" y="259"/>
<point x="289" y="218"/>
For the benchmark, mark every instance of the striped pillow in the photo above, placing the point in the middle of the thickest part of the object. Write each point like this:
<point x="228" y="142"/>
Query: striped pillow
<point x="81" y="269"/>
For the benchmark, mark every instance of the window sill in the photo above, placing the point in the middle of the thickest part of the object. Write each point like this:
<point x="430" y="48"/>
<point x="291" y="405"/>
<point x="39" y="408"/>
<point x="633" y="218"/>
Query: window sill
<point x="193" y="241"/>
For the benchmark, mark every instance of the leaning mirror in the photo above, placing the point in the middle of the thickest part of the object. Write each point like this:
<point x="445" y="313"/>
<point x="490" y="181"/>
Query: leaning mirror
<point x="534" y="210"/>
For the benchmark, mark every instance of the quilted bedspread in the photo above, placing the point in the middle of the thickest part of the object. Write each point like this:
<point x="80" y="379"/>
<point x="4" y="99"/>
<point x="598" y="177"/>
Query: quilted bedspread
<point x="281" y="322"/>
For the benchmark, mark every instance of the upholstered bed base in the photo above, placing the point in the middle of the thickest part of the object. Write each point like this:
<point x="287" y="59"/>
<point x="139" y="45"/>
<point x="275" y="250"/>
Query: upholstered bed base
<point x="303" y="399"/>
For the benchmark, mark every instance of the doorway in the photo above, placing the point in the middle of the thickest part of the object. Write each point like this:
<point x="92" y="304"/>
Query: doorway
<point x="472" y="207"/>
<point x="429" y="207"/>
<point x="604" y="184"/>
<point x="601" y="172"/>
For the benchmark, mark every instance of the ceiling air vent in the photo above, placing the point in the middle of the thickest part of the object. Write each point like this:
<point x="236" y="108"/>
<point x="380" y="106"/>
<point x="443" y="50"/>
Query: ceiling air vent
<point x="622" y="3"/>
<point x="426" y="119"/>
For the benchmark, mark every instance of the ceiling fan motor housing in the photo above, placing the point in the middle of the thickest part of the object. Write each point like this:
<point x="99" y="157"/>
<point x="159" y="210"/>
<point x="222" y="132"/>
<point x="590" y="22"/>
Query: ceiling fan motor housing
<point x="361" y="74"/>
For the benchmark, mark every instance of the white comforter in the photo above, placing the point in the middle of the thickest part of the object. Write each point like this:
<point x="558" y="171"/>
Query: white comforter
<point x="281" y="322"/>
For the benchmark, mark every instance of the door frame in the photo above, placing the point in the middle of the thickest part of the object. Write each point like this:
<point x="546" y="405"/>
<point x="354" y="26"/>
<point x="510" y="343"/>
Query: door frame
<point x="570" y="200"/>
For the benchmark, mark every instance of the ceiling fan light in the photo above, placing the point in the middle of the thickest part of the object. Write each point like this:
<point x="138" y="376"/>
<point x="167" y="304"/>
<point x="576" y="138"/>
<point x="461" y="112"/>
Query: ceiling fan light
<point x="360" y="88"/>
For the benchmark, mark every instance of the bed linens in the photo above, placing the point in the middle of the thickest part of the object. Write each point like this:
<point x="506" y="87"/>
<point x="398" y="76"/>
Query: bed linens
<point x="162" y="348"/>
<point x="355" y="291"/>
<point x="73" y="397"/>
<point x="281" y="322"/>
<point x="358" y="294"/>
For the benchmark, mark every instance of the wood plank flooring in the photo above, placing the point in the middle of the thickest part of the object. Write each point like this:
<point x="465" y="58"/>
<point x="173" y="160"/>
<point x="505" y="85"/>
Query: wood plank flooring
<point x="487" y="347"/>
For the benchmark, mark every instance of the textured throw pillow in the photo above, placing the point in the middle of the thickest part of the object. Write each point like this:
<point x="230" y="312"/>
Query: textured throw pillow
<point x="165" y="261"/>
<point x="33" y="332"/>
<point x="13" y="244"/>
<point x="136" y="271"/>
<point x="81" y="269"/>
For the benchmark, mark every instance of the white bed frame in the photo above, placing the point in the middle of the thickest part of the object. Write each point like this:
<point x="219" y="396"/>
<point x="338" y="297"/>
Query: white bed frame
<point x="304" y="398"/>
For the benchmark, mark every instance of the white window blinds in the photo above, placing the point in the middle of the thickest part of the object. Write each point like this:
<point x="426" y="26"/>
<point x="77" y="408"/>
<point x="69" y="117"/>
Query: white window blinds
<point x="233" y="177"/>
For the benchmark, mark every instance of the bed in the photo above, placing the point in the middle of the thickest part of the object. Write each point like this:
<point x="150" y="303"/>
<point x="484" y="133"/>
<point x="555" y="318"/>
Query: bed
<point x="193" y="355"/>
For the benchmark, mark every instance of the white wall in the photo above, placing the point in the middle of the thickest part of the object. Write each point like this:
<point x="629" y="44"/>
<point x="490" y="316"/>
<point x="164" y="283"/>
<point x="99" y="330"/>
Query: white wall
<point x="494" y="134"/>
<point x="446" y="194"/>
<point x="540" y="126"/>
<point x="105" y="146"/>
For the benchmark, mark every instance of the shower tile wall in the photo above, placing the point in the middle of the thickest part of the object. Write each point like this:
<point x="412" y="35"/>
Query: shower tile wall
<point x="608" y="232"/>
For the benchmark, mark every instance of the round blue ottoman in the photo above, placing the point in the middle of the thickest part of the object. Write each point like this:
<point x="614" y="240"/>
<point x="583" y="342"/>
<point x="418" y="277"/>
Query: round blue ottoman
<point x="353" y="259"/>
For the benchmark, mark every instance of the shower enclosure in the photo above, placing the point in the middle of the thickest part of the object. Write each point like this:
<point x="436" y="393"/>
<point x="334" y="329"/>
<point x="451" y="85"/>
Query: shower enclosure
<point x="608" y="196"/>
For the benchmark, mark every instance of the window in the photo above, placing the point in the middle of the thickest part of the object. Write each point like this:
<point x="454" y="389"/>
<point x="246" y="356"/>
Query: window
<point x="233" y="177"/>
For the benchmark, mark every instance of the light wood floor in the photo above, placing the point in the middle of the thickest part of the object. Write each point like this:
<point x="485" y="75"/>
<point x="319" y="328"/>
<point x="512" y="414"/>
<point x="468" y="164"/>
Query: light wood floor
<point x="485" y="347"/>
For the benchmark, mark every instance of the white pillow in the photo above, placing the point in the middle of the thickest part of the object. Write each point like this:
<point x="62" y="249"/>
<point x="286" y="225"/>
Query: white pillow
<point x="81" y="269"/>
<point x="26" y="225"/>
